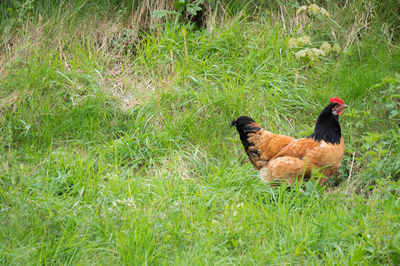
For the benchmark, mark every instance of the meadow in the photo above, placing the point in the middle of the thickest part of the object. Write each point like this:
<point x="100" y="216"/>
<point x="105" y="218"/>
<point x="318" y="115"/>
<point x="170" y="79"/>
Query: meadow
<point x="115" y="137"/>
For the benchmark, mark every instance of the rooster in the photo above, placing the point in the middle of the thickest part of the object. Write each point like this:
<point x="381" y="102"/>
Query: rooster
<point x="283" y="158"/>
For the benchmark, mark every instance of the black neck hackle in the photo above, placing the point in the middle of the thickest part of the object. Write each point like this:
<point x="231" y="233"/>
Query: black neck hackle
<point x="327" y="127"/>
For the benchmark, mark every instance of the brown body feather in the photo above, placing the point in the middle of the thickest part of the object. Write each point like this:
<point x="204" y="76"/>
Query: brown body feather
<point x="297" y="160"/>
<point x="265" y="146"/>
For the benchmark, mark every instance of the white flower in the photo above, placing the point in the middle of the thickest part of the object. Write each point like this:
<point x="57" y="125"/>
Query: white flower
<point x="318" y="52"/>
<point x="292" y="42"/>
<point x="336" y="48"/>
<point x="313" y="9"/>
<point x="301" y="53"/>
<point x="301" y="9"/>
<point x="323" y="11"/>
<point x="326" y="47"/>
<point x="303" y="41"/>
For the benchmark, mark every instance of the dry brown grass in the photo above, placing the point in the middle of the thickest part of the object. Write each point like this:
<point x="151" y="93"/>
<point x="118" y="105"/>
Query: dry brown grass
<point x="127" y="87"/>
<point x="142" y="18"/>
<point x="104" y="39"/>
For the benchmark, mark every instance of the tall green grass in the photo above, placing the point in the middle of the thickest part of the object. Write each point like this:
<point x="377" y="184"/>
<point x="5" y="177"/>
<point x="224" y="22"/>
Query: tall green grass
<point x="112" y="152"/>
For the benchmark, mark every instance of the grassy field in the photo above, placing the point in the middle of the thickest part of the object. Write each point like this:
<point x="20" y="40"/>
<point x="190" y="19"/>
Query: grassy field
<point x="116" y="146"/>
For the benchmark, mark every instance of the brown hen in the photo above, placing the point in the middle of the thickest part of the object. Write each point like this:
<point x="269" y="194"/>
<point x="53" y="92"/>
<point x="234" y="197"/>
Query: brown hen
<point x="284" y="158"/>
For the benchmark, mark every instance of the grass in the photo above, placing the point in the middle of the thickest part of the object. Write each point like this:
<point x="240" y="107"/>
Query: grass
<point x="113" y="152"/>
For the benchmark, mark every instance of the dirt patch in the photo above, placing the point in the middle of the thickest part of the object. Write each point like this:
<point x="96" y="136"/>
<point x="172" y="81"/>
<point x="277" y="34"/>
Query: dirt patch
<point x="129" y="87"/>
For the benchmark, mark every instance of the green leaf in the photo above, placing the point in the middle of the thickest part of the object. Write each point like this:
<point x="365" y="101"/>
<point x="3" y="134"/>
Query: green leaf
<point x="164" y="13"/>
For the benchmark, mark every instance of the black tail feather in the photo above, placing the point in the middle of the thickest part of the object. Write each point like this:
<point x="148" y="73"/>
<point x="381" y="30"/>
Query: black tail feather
<point x="244" y="126"/>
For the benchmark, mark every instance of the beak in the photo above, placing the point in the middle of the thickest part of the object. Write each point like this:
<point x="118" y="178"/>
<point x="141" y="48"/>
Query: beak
<point x="345" y="106"/>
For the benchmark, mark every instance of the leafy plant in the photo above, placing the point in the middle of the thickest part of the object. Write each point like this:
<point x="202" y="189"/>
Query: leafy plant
<point x="189" y="7"/>
<point x="185" y="10"/>
<point x="16" y="13"/>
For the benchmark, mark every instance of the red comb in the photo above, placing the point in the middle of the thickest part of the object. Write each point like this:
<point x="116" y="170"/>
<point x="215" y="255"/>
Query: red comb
<point x="336" y="100"/>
